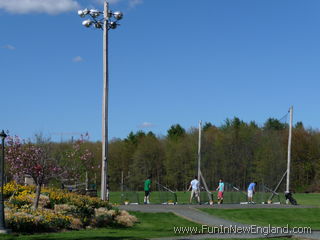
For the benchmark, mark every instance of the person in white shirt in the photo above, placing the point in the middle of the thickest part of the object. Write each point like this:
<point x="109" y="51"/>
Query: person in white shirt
<point x="195" y="186"/>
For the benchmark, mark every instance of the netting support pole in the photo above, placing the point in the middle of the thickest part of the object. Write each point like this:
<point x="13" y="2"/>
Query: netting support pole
<point x="206" y="187"/>
<point x="276" y="188"/>
<point x="122" y="181"/>
<point x="199" y="152"/>
<point x="87" y="181"/>
<point x="200" y="176"/>
<point x="289" y="152"/>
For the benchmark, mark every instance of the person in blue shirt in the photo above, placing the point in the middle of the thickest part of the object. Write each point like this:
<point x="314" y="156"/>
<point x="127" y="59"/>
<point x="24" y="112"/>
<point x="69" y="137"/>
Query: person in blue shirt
<point x="251" y="191"/>
<point x="220" y="190"/>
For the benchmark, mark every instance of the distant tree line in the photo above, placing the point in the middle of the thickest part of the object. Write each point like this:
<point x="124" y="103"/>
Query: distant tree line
<point x="236" y="151"/>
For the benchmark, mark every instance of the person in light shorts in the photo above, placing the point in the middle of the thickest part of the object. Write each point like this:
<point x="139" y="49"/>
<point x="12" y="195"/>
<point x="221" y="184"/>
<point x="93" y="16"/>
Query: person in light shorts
<point x="195" y="186"/>
<point x="251" y="191"/>
<point x="220" y="190"/>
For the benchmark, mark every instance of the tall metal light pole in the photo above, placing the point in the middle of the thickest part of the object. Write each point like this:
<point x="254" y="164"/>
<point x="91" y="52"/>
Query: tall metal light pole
<point x="105" y="24"/>
<point x="3" y="229"/>
<point x="289" y="152"/>
<point x="104" y="172"/>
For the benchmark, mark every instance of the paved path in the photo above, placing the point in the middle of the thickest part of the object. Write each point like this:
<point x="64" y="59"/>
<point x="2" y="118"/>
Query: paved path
<point x="194" y="214"/>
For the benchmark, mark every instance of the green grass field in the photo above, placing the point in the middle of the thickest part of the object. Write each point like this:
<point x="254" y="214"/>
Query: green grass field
<point x="257" y="239"/>
<point x="157" y="197"/>
<point x="301" y="217"/>
<point x="151" y="225"/>
<point x="312" y="199"/>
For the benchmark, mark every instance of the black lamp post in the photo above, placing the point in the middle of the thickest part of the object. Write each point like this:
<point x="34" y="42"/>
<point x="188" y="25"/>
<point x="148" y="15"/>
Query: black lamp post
<point x="3" y="229"/>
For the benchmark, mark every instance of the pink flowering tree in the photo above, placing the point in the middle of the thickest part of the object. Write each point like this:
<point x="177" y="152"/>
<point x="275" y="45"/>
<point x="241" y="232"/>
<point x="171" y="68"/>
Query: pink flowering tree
<point x="33" y="159"/>
<point x="79" y="160"/>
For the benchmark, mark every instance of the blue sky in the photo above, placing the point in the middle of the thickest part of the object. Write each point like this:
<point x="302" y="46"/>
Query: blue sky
<point x="171" y="61"/>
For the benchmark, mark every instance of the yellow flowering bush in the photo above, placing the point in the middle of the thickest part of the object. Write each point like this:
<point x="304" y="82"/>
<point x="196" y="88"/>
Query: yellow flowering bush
<point x="58" y="196"/>
<point x="12" y="188"/>
<point x="30" y="221"/>
<point x="58" y="210"/>
<point x="24" y="198"/>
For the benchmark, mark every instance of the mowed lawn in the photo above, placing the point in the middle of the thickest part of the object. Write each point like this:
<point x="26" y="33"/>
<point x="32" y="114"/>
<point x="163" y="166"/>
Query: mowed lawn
<point x="158" y="197"/>
<point x="276" y="238"/>
<point x="312" y="199"/>
<point x="294" y="217"/>
<point x="151" y="225"/>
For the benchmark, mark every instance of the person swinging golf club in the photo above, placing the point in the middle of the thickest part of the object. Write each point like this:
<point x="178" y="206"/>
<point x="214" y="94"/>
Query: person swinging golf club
<point x="251" y="191"/>
<point x="195" y="186"/>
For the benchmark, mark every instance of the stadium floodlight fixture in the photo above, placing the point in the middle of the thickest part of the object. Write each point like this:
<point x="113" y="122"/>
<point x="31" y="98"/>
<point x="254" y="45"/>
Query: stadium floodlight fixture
<point x="87" y="23"/>
<point x="80" y="13"/>
<point x="118" y="15"/>
<point x="83" y="13"/>
<point x="98" y="25"/>
<point x="109" y="20"/>
<point x="94" y="13"/>
<point x="86" y="11"/>
<point x="113" y="25"/>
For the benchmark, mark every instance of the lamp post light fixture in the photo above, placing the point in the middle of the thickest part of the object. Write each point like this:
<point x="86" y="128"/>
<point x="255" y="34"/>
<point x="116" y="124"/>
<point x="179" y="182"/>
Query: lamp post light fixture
<point x="3" y="229"/>
<point x="103" y="20"/>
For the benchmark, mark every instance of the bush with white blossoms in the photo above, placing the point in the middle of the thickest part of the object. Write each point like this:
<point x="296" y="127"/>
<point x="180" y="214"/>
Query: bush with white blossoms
<point x="122" y="218"/>
<point x="125" y="219"/>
